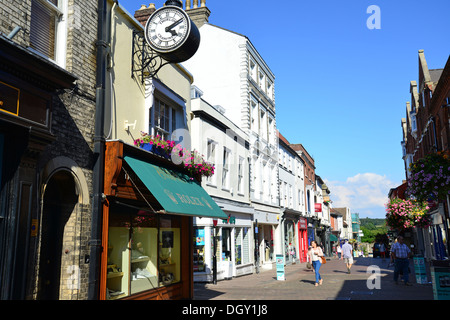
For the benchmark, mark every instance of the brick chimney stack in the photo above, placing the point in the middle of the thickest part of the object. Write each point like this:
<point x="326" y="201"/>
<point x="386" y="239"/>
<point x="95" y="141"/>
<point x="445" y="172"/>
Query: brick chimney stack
<point x="144" y="13"/>
<point x="199" y="15"/>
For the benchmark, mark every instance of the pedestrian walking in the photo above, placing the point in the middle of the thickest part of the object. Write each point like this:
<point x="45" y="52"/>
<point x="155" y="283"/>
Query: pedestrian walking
<point x="383" y="251"/>
<point x="339" y="251"/>
<point x="401" y="254"/>
<point x="315" y="255"/>
<point x="347" y="254"/>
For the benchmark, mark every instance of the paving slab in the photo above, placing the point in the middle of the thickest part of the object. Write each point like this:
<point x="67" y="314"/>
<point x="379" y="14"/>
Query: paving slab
<point x="370" y="279"/>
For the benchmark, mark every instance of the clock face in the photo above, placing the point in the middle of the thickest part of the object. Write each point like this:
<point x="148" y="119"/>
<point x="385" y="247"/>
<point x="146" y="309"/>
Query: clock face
<point x="167" y="29"/>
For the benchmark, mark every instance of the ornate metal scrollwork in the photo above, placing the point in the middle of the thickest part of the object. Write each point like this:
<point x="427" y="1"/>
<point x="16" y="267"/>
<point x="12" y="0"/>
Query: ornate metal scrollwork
<point x="145" y="61"/>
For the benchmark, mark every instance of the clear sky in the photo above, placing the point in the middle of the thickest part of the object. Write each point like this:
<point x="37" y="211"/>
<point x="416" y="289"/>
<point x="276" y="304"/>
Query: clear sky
<point x="341" y="88"/>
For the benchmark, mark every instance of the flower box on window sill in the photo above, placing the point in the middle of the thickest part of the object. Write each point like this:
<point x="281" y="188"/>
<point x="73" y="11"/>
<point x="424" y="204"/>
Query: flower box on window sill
<point x="154" y="149"/>
<point x="191" y="161"/>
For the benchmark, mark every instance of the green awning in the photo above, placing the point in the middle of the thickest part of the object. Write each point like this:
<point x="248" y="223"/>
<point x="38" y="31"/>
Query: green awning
<point x="175" y="191"/>
<point x="333" y="237"/>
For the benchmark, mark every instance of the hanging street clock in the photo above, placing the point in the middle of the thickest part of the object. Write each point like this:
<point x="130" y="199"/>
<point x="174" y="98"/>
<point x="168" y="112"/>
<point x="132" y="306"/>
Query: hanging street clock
<point x="171" y="33"/>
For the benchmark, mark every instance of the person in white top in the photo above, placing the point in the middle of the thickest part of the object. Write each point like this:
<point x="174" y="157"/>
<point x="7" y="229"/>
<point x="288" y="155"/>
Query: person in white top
<point x="347" y="254"/>
<point x="315" y="255"/>
<point x="339" y="251"/>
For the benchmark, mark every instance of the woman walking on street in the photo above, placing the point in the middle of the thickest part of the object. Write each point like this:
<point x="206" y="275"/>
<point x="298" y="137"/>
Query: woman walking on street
<point x="315" y="255"/>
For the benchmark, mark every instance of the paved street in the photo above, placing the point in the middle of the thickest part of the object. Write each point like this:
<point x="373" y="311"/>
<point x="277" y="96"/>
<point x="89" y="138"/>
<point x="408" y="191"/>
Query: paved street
<point x="299" y="284"/>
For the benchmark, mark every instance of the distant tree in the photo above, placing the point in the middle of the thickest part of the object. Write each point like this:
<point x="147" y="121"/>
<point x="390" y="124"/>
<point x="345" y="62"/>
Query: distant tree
<point x="369" y="235"/>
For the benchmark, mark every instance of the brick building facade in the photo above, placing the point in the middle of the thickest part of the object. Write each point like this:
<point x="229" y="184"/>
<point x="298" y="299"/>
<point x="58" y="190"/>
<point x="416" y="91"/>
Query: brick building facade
<point x="48" y="94"/>
<point x="426" y="131"/>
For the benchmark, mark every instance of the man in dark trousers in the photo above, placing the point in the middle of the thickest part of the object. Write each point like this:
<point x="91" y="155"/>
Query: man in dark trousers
<point x="401" y="254"/>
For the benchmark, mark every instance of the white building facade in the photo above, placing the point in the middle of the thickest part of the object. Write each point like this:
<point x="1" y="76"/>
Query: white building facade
<point x="292" y="202"/>
<point x="232" y="74"/>
<point x="226" y="146"/>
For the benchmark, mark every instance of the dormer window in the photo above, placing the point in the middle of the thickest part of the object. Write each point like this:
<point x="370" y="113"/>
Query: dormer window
<point x="196" y="92"/>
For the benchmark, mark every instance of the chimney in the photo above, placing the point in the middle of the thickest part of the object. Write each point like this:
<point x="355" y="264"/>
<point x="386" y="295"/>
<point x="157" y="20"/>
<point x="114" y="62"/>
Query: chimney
<point x="144" y="13"/>
<point x="199" y="15"/>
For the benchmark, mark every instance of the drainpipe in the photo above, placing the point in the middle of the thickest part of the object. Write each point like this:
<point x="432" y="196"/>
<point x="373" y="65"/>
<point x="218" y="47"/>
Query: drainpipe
<point x="95" y="242"/>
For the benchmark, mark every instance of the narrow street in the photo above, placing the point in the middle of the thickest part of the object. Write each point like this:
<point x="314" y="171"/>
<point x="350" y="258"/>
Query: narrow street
<point x="337" y="284"/>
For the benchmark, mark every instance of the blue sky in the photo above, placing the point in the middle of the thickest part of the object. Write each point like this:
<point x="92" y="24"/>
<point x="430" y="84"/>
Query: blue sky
<point x="341" y="89"/>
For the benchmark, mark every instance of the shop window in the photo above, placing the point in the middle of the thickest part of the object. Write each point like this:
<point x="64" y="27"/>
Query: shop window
<point x="242" y="252"/>
<point x="245" y="246"/>
<point x="199" y="250"/>
<point x="226" y="244"/>
<point x="238" y="246"/>
<point x="144" y="252"/>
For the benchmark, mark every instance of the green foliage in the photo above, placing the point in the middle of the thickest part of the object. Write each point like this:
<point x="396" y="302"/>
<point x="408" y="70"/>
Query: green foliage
<point x="374" y="230"/>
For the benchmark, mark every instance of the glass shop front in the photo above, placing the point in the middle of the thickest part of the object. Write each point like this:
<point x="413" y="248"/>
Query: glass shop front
<point x="148" y="226"/>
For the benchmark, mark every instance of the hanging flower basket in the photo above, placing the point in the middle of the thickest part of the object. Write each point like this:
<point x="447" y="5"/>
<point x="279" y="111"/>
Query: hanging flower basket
<point x="404" y="214"/>
<point x="192" y="161"/>
<point x="430" y="177"/>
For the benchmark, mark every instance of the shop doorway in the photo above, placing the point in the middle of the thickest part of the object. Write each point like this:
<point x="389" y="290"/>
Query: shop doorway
<point x="59" y="202"/>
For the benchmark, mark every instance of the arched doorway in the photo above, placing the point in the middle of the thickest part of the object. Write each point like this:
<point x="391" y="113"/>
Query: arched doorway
<point x="59" y="202"/>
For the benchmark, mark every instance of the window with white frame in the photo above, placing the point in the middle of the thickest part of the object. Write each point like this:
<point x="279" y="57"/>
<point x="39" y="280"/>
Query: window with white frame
<point x="413" y="122"/>
<point x="256" y="173"/>
<point x="270" y="89"/>
<point x="262" y="81"/>
<point x="164" y="120"/>
<point x="226" y="168"/>
<point x="253" y="70"/>
<point x="281" y="194"/>
<point x="271" y="130"/>
<point x="291" y="196"/>
<point x="240" y="186"/>
<point x="211" y="157"/>
<point x="254" y="115"/>
<point x="274" y="184"/>
<point x="265" y="182"/>
<point x="263" y="125"/>
<point x="48" y="29"/>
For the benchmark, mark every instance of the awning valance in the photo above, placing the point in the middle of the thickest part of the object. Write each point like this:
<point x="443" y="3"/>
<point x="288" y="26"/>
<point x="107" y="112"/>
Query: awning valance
<point x="175" y="191"/>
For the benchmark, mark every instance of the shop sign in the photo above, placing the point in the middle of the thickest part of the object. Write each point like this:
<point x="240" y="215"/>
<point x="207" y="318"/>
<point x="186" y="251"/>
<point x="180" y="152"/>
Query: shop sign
<point x="303" y="224"/>
<point x="280" y="267"/>
<point x="200" y="237"/>
<point x="318" y="207"/>
<point x="9" y="99"/>
<point x="420" y="271"/>
<point x="441" y="282"/>
<point x="230" y="220"/>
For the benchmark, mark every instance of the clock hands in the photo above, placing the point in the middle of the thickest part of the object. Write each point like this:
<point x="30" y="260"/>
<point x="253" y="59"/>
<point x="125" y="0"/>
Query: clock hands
<point x="173" y="25"/>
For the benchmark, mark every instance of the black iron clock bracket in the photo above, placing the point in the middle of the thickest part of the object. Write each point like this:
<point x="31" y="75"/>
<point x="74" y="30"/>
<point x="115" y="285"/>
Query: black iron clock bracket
<point x="145" y="62"/>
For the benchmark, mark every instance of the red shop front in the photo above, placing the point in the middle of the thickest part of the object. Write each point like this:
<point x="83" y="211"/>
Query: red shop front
<point x="303" y="239"/>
